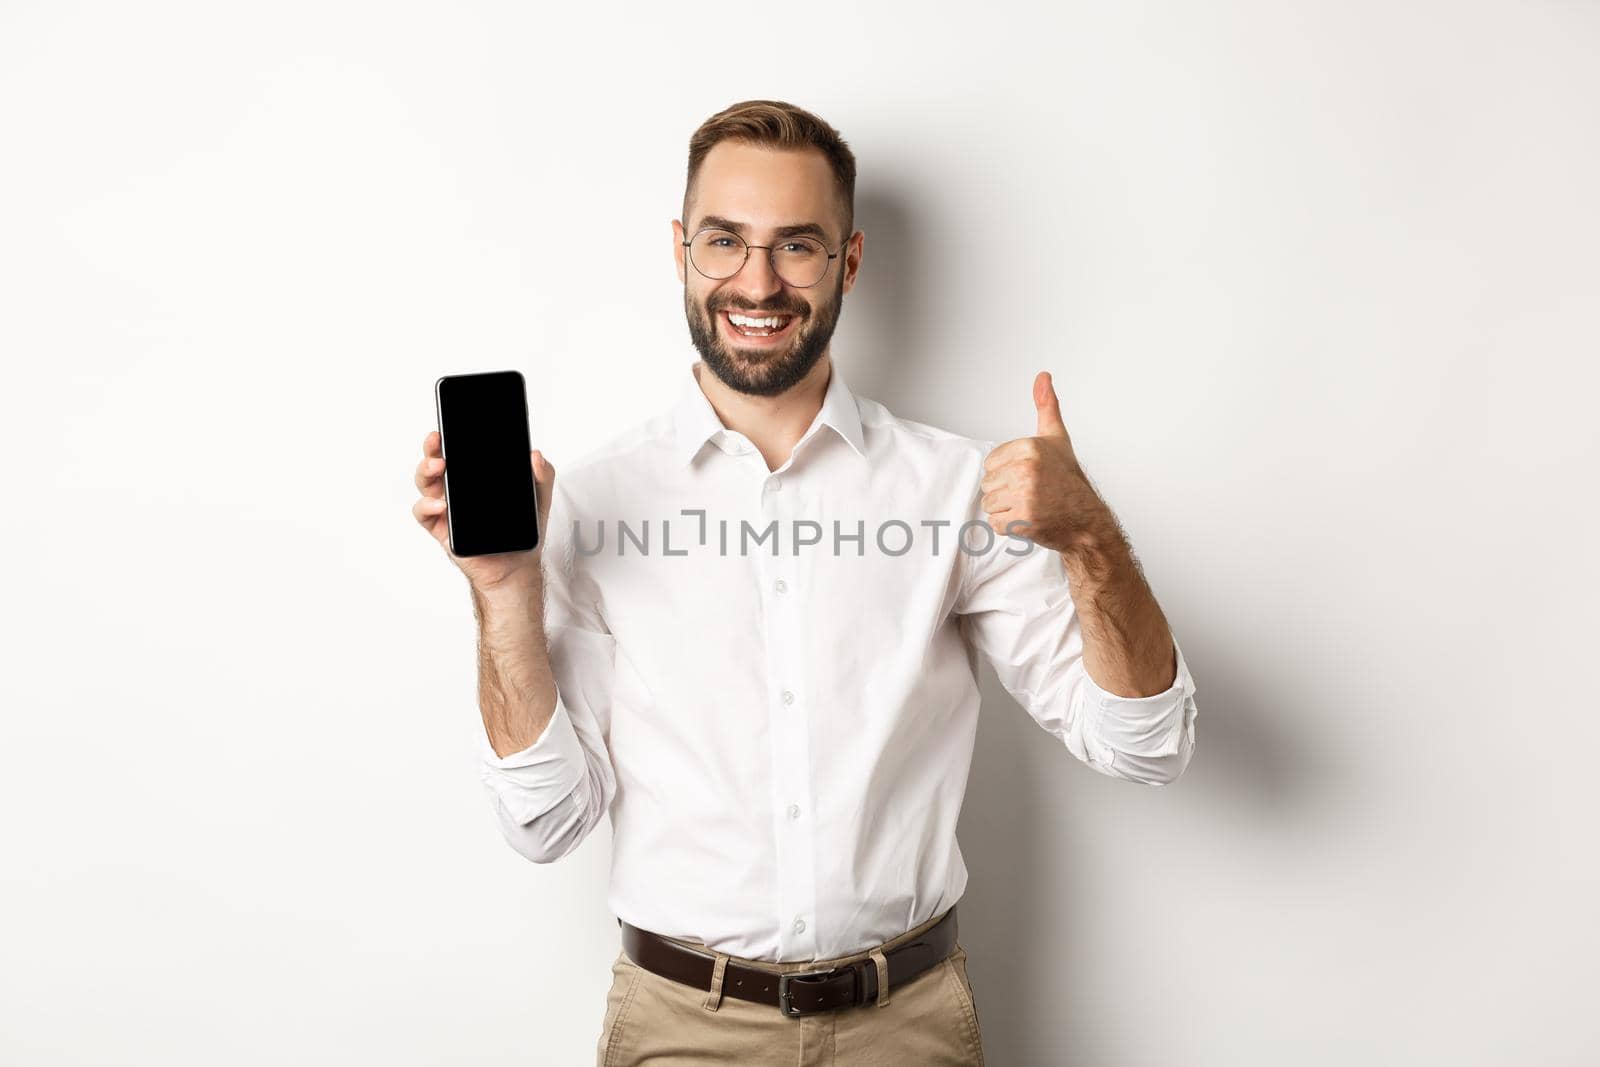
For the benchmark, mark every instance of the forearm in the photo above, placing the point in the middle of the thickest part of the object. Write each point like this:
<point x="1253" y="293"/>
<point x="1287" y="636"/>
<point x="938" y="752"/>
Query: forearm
<point x="516" y="690"/>
<point x="1128" y="647"/>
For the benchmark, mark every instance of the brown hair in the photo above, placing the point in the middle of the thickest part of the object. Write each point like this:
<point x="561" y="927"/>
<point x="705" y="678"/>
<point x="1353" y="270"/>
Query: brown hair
<point x="778" y="125"/>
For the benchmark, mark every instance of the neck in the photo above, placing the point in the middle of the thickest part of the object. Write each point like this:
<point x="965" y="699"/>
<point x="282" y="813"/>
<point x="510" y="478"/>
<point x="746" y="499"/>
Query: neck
<point x="774" y="424"/>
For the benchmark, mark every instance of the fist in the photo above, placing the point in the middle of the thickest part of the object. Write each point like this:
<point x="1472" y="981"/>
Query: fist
<point x="1033" y="486"/>
<point x="484" y="572"/>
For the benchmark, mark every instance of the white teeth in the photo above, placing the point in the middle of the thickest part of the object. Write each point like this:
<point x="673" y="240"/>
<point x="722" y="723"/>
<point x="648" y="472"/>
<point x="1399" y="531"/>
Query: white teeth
<point x="770" y="323"/>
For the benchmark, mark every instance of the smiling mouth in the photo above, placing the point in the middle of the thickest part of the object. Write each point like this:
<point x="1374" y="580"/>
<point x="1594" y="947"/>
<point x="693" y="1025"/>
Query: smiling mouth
<point x="755" y="326"/>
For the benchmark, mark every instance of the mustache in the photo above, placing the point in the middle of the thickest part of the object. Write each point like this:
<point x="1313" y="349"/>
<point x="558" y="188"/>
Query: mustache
<point x="759" y="309"/>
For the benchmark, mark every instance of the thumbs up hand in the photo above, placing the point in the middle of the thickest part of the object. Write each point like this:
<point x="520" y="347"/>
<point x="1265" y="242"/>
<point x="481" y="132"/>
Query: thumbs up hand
<point x="1033" y="486"/>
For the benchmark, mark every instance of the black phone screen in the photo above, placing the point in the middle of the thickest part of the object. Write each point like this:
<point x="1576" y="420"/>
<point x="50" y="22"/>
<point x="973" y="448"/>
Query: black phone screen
<point x="489" y="492"/>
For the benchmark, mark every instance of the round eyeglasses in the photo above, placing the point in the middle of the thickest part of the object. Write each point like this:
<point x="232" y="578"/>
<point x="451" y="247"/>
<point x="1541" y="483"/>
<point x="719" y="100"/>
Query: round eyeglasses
<point x="799" y="261"/>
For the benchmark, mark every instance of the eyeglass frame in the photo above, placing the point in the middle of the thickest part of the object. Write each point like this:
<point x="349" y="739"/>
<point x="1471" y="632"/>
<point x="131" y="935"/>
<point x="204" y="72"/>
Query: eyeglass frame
<point x="768" y="249"/>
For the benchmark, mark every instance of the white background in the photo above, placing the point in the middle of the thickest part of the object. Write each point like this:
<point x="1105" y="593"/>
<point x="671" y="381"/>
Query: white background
<point x="1317" y="283"/>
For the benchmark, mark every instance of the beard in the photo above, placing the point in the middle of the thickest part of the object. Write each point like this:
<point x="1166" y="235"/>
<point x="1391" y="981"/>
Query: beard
<point x="759" y="372"/>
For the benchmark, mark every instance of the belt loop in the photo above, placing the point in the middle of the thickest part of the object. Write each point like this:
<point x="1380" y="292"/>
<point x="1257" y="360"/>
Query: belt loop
<point x="882" y="963"/>
<point x="714" y="998"/>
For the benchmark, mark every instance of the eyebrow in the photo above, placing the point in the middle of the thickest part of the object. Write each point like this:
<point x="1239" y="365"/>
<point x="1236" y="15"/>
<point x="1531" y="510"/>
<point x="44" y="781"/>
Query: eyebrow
<point x="799" y="229"/>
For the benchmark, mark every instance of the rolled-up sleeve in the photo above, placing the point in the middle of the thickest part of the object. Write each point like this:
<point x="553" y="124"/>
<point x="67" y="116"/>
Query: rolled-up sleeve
<point x="531" y="782"/>
<point x="549" y="796"/>
<point x="1143" y="739"/>
<point x="1016" y="609"/>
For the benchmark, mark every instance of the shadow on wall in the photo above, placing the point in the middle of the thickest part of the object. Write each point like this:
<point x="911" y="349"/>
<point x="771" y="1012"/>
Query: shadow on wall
<point x="1252" y="758"/>
<point x="886" y="313"/>
<point x="1021" y="903"/>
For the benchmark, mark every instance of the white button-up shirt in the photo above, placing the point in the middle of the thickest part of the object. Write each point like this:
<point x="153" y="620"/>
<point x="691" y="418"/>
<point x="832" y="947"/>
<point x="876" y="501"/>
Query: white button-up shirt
<point x="768" y="677"/>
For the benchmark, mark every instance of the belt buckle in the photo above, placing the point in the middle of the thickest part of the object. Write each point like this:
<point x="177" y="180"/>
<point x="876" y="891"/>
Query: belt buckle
<point x="784" y="981"/>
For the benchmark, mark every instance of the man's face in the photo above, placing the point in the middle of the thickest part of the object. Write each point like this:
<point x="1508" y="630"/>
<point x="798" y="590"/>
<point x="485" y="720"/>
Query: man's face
<point x="754" y="191"/>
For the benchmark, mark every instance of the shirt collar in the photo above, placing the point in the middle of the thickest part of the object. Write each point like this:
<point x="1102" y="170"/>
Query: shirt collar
<point x="695" y="420"/>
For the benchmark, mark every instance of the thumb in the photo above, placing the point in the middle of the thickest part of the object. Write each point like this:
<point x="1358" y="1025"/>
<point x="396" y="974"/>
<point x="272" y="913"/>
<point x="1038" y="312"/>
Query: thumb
<point x="544" y="477"/>
<point x="544" y="474"/>
<point x="1044" y="399"/>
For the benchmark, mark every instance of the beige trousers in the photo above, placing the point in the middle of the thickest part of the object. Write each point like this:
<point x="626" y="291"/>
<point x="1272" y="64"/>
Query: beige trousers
<point x="930" y="1021"/>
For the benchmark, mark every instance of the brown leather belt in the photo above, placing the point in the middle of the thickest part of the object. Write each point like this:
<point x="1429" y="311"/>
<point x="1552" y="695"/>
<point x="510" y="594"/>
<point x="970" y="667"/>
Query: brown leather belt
<point x="800" y="992"/>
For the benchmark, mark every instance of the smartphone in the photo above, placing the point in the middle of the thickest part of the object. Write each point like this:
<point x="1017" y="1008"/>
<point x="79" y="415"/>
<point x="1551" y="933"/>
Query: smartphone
<point x="491" y="499"/>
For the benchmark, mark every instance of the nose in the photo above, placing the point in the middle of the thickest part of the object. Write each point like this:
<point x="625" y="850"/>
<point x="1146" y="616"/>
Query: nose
<point x="756" y="279"/>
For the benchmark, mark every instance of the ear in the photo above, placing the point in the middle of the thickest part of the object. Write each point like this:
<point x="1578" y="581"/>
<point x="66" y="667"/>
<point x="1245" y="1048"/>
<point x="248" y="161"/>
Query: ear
<point x="678" y="233"/>
<point x="852" y="258"/>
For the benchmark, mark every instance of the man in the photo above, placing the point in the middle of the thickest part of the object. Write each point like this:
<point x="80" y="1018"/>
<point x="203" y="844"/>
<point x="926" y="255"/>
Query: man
<point x="750" y="635"/>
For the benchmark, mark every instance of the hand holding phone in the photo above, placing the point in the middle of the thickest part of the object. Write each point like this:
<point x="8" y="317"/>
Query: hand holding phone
<point x="485" y="493"/>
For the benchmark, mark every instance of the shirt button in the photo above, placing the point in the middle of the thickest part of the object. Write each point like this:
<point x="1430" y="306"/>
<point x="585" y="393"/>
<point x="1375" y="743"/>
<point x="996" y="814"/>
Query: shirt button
<point x="799" y="926"/>
<point x="788" y="697"/>
<point x="776" y="483"/>
<point x="781" y="586"/>
<point x="794" y="811"/>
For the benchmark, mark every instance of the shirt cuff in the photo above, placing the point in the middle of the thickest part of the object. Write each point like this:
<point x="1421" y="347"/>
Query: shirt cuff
<point x="1141" y="726"/>
<point x="534" y="780"/>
